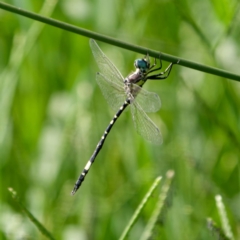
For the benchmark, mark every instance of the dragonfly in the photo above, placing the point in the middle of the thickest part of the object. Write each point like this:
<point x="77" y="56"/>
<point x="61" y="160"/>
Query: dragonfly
<point x="121" y="92"/>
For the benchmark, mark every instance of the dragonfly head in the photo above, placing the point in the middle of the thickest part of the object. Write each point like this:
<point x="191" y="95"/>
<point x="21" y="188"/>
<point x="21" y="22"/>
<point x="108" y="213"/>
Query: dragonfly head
<point x="142" y="64"/>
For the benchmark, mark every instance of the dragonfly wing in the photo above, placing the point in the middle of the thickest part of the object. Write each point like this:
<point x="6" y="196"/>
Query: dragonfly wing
<point x="144" y="125"/>
<point x="107" y="68"/>
<point x="149" y="101"/>
<point x="113" y="92"/>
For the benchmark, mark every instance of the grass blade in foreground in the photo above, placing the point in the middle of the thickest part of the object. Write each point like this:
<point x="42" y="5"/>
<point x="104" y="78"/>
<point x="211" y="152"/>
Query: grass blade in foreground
<point x="216" y="231"/>
<point x="162" y="197"/>
<point x="40" y="227"/>
<point x="140" y="208"/>
<point x="223" y="216"/>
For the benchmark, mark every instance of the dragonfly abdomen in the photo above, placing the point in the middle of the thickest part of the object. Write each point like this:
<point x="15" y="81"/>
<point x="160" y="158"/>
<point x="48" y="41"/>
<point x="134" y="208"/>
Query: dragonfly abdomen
<point x="99" y="146"/>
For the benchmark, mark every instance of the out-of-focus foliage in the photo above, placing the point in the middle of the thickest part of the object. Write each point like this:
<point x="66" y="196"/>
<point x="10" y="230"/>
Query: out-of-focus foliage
<point x="53" y="114"/>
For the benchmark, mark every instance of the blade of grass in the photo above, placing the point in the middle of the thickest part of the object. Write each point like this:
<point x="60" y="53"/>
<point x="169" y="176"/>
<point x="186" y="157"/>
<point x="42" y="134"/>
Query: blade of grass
<point x="140" y="208"/>
<point x="223" y="216"/>
<point x="9" y="76"/>
<point x="40" y="227"/>
<point x="216" y="231"/>
<point x="162" y="197"/>
<point x="135" y="48"/>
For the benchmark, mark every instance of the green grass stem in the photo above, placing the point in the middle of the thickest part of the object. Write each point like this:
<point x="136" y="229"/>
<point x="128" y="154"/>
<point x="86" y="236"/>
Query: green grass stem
<point x="223" y="216"/>
<point x="40" y="227"/>
<point x="216" y="230"/>
<point x="162" y="197"/>
<point x="113" y="41"/>
<point x="140" y="208"/>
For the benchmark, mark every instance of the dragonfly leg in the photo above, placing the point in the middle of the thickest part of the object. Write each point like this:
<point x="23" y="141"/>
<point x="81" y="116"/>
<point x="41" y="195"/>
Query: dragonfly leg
<point x="155" y="63"/>
<point x="162" y="75"/>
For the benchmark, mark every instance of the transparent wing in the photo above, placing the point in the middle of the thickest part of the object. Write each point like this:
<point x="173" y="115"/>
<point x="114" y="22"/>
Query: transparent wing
<point x="106" y="67"/>
<point x="113" y="92"/>
<point x="144" y="125"/>
<point x="149" y="101"/>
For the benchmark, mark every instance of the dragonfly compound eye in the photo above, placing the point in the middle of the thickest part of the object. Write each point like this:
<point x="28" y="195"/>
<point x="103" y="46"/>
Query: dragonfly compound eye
<point x="141" y="64"/>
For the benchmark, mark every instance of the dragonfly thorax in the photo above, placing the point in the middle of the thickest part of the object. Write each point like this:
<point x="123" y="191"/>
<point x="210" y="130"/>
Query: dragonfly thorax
<point x="135" y="77"/>
<point x="133" y="83"/>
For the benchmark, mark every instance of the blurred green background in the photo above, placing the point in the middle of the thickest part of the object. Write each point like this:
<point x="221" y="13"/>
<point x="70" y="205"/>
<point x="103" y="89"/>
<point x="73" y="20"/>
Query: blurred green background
<point x="52" y="115"/>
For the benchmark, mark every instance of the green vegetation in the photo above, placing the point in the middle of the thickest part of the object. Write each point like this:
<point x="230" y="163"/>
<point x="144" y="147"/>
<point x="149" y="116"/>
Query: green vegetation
<point x="52" y="115"/>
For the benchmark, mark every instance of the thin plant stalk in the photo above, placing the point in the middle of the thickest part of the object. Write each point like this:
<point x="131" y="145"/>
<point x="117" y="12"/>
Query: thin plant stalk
<point x="113" y="41"/>
<point x="40" y="227"/>
<point x="140" y="208"/>
<point x="162" y="197"/>
<point x="223" y="216"/>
